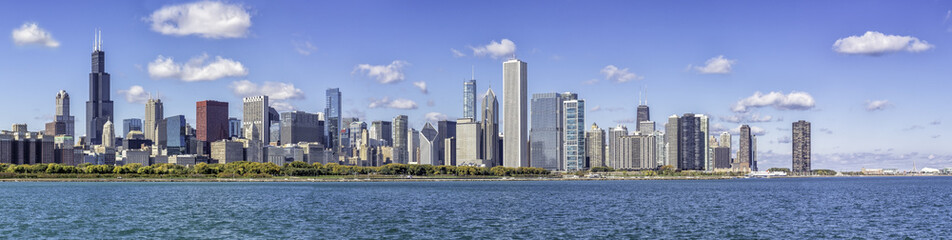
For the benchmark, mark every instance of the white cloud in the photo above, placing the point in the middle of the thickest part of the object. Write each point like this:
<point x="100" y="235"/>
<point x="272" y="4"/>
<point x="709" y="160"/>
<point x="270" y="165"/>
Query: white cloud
<point x="135" y="94"/>
<point x="784" y="139"/>
<point x="715" y="65"/>
<point x="494" y="49"/>
<point x="422" y="86"/>
<point x="399" y="103"/>
<point x="457" y="53"/>
<point x="384" y="73"/>
<point x="877" y="105"/>
<point x="590" y="81"/>
<point x="754" y="130"/>
<point x="196" y="69"/>
<point x="434" y="117"/>
<point x="31" y="33"/>
<point x="208" y="19"/>
<point x="596" y="108"/>
<point x="282" y="106"/>
<point x="826" y="130"/>
<point x="304" y="48"/>
<point x="876" y="43"/>
<point x="777" y="100"/>
<point x="274" y="90"/>
<point x="746" y="117"/>
<point x="613" y="73"/>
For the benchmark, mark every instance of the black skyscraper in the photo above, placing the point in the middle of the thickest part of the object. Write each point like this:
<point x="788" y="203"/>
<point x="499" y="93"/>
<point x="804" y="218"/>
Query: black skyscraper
<point x="690" y="143"/>
<point x="99" y="106"/>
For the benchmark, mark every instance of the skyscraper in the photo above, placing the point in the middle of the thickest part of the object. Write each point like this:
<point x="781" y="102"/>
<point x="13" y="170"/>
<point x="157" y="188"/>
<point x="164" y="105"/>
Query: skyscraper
<point x="413" y="146"/>
<point x="490" y="128"/>
<point x="469" y="99"/>
<point x="744" y="151"/>
<point x="515" y="119"/>
<point x="62" y="113"/>
<point x="469" y="151"/>
<point x="691" y="144"/>
<point x="671" y="140"/>
<point x="332" y="118"/>
<point x="706" y="153"/>
<point x="400" y="140"/>
<point x="445" y="129"/>
<point x="256" y="112"/>
<point x="131" y="124"/>
<point x="382" y="131"/>
<point x="171" y="134"/>
<point x="801" y="147"/>
<point x="300" y="126"/>
<point x="154" y="111"/>
<point x="545" y="136"/>
<point x="428" y="146"/>
<point x="573" y="122"/>
<point x="595" y="146"/>
<point x="725" y="140"/>
<point x="234" y="128"/>
<point x="615" y="153"/>
<point x="212" y="120"/>
<point x="99" y="107"/>
<point x="108" y="134"/>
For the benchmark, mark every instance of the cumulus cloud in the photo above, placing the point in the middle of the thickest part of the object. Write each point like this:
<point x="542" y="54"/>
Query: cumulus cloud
<point x="877" y="105"/>
<point x="715" y="65"/>
<point x="876" y="43"/>
<point x="457" y="53"/>
<point x="135" y="94"/>
<point x="422" y="86"/>
<point x="304" y="47"/>
<point x="777" y="100"/>
<point x="494" y="49"/>
<point x="281" y="106"/>
<point x="207" y="19"/>
<point x="196" y="69"/>
<point x="754" y="130"/>
<point x="390" y="73"/>
<point x="613" y="73"/>
<point x="32" y="34"/>
<point x="746" y="117"/>
<point x="434" y="117"/>
<point x="399" y="103"/>
<point x="274" y="90"/>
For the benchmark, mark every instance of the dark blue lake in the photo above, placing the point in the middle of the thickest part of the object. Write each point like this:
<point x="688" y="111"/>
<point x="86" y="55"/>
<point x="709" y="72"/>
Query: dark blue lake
<point x="811" y="208"/>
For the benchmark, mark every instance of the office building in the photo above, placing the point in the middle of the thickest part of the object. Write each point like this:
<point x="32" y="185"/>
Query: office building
<point x="332" y="118"/>
<point x="131" y="124"/>
<point x="492" y="149"/>
<point x="382" y="131"/>
<point x="428" y="145"/>
<point x="154" y="112"/>
<point x="801" y="148"/>
<point x="400" y="141"/>
<point x="545" y="136"/>
<point x="171" y="134"/>
<point x="211" y="121"/>
<point x="256" y="112"/>
<point x="445" y="129"/>
<point x="413" y="146"/>
<point x="573" y="135"/>
<point x="23" y="147"/>
<point x="99" y="107"/>
<point x="469" y="143"/>
<point x="299" y="126"/>
<point x="722" y="157"/>
<point x="63" y="115"/>
<point x="516" y="117"/>
<point x="469" y="99"/>
<point x="108" y="134"/>
<point x="744" y="152"/>
<point x="595" y="146"/>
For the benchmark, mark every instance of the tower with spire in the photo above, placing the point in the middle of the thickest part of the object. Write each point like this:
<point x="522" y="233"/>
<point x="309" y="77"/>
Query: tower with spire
<point x="643" y="113"/>
<point x="99" y="107"/>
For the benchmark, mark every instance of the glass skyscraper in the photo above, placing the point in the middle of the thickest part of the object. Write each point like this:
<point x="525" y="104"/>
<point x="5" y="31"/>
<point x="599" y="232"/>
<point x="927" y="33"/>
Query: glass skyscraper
<point x="332" y="117"/>
<point x="573" y="134"/>
<point x="99" y="107"/>
<point x="545" y="136"/>
<point x="469" y="99"/>
<point x="131" y="124"/>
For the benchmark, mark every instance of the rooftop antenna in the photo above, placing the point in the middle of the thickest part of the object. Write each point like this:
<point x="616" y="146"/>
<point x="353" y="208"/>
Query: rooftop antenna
<point x="474" y="72"/>
<point x="646" y="95"/>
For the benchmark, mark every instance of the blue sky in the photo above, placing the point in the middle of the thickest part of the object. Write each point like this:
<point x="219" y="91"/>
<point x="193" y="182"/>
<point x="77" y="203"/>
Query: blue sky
<point x="875" y="99"/>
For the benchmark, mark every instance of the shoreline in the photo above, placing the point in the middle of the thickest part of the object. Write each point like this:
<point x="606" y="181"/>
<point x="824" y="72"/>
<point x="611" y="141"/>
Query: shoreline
<point x="312" y="179"/>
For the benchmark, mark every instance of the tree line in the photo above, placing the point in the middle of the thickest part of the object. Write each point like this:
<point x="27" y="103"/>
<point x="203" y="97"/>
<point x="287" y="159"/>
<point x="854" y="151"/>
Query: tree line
<point x="256" y="169"/>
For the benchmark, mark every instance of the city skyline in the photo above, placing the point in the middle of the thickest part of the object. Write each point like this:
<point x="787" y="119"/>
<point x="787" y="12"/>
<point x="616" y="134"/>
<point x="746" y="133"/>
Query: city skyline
<point x="724" y="78"/>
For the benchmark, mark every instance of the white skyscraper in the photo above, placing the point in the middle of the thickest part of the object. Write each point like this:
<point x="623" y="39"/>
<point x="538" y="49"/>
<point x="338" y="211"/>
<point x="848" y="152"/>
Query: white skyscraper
<point x="515" y="114"/>
<point x="256" y="112"/>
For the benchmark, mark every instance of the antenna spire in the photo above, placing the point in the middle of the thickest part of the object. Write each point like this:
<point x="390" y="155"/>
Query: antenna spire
<point x="474" y="72"/>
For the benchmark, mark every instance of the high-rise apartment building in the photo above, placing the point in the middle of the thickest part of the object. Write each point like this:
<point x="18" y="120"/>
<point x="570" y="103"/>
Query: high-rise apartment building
<point x="573" y="135"/>
<point x="671" y="140"/>
<point x="516" y="117"/>
<point x="615" y="149"/>
<point x="801" y="147"/>
<point x="595" y="146"/>
<point x="99" y="107"/>
<point x="744" y="151"/>
<point x="691" y="143"/>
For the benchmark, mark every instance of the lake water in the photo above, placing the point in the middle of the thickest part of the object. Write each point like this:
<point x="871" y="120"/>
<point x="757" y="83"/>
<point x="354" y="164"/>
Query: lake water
<point x="811" y="208"/>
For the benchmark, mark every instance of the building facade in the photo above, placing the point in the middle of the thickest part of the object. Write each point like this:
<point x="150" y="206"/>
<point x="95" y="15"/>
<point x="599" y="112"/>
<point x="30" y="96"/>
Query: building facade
<point x="332" y="117"/>
<point x="801" y="148"/>
<point x="469" y="99"/>
<point x="545" y="136"/>
<point x="516" y="117"/>
<point x="400" y="152"/>
<point x="154" y="112"/>
<point x="99" y="107"/>
<point x="300" y="126"/>
<point x="211" y="121"/>
<point x="595" y="146"/>
<point x="492" y="149"/>
<point x="255" y="111"/>
<point x="573" y="135"/>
